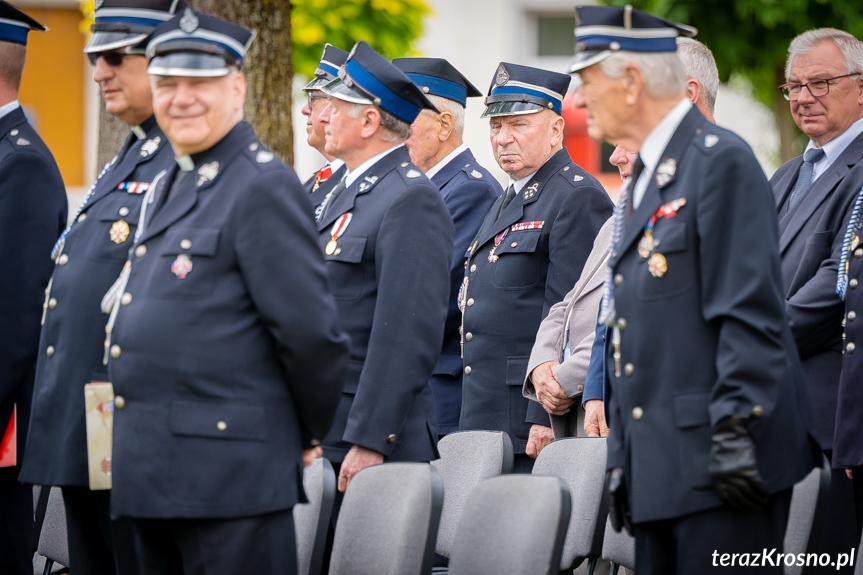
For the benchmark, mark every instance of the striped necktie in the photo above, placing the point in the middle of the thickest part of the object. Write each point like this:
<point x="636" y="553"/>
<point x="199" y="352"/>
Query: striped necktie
<point x="804" y="177"/>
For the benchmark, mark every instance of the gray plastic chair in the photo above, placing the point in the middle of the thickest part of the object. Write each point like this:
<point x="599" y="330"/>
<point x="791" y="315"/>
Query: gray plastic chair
<point x="804" y="520"/>
<point x="467" y="459"/>
<point x="580" y="463"/>
<point x="619" y="548"/>
<point x="54" y="540"/>
<point x="388" y="521"/>
<point x="512" y="525"/>
<point x="312" y="519"/>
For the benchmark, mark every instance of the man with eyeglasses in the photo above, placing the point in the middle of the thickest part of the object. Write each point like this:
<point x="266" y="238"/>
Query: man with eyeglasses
<point x="89" y="256"/>
<point x="324" y="180"/>
<point x="814" y="193"/>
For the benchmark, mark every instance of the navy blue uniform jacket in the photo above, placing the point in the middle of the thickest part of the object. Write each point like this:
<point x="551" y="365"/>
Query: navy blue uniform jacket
<point x="505" y="301"/>
<point x="317" y="196"/>
<point x="468" y="190"/>
<point x="227" y="356"/>
<point x="32" y="215"/>
<point x="390" y="279"/>
<point x="708" y="338"/>
<point x="74" y="327"/>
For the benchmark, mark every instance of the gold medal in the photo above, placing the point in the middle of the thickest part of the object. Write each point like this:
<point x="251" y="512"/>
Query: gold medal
<point x="119" y="232"/>
<point x="657" y="265"/>
<point x="331" y="247"/>
<point x="646" y="244"/>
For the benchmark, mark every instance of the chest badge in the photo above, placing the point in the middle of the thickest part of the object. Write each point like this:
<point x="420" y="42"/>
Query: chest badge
<point x="338" y="229"/>
<point x="665" y="171"/>
<point x="657" y="265"/>
<point x="492" y="257"/>
<point x="119" y="232"/>
<point x="648" y="243"/>
<point x="182" y="266"/>
<point x="150" y="146"/>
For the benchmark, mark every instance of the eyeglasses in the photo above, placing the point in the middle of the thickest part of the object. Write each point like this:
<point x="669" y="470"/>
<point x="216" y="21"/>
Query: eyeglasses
<point x="314" y="96"/>
<point x="113" y="59"/>
<point x="817" y="88"/>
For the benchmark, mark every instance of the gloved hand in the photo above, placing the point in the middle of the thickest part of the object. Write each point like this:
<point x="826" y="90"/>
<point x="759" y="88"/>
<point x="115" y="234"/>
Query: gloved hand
<point x="733" y="468"/>
<point x="618" y="501"/>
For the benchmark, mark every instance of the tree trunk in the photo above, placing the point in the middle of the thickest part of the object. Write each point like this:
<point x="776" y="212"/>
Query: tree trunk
<point x="784" y="122"/>
<point x="268" y="66"/>
<point x="112" y="135"/>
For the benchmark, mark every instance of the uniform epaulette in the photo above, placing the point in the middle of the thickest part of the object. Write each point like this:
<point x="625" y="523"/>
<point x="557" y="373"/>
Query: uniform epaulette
<point x="570" y="173"/>
<point x="472" y="172"/>
<point x="18" y="140"/>
<point x="409" y="172"/>
<point x="260" y="154"/>
<point x="706" y="140"/>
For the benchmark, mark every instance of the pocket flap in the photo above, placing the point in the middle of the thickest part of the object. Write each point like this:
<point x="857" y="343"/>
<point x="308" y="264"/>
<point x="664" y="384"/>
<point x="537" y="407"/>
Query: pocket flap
<point x="519" y="242"/>
<point x="691" y="410"/>
<point x="671" y="238"/>
<point x="349" y="249"/>
<point x="218" y="420"/>
<point x="196" y="242"/>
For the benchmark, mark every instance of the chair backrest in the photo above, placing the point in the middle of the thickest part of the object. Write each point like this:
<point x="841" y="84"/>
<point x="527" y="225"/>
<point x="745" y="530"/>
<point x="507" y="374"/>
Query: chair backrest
<point x="54" y="540"/>
<point x="580" y="463"/>
<point x="312" y="519"/>
<point x="804" y="519"/>
<point x="466" y="459"/>
<point x="512" y="525"/>
<point x="388" y="521"/>
<point x="619" y="548"/>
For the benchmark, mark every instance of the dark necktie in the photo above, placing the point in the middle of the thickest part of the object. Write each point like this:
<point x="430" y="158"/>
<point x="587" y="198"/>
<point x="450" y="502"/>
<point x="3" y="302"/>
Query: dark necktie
<point x="510" y="194"/>
<point x="331" y="198"/>
<point x="804" y="177"/>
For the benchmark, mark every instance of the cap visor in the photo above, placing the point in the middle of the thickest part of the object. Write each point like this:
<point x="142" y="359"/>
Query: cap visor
<point x="340" y="90"/>
<point x="587" y="58"/>
<point x="317" y="83"/>
<point x="188" y="64"/>
<point x="510" y="109"/>
<point x="104" y="41"/>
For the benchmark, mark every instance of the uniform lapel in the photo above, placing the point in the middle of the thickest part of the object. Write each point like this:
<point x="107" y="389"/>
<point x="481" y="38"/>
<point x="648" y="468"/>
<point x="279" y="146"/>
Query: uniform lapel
<point x="450" y="170"/>
<point x="784" y="186"/>
<point x="326" y="186"/>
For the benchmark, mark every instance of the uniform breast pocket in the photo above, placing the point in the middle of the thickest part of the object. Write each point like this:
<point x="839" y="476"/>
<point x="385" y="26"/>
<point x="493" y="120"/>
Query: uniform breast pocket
<point x="187" y="261"/>
<point x="345" y="269"/>
<point x="518" y="262"/>
<point x="116" y="219"/>
<point x="670" y="269"/>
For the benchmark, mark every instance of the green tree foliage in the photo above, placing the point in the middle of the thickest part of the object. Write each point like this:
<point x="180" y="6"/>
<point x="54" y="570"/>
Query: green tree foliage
<point x="750" y="38"/>
<point x="389" y="26"/>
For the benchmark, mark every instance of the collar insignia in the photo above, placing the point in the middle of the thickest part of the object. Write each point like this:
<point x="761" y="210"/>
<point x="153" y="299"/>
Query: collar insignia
<point x="150" y="146"/>
<point x="665" y="171"/>
<point x="710" y="140"/>
<point x="208" y="172"/>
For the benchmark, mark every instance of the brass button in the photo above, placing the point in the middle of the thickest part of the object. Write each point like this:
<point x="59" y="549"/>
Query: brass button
<point x="621" y="324"/>
<point x="52" y="303"/>
<point x="472" y="268"/>
<point x="221" y="426"/>
<point x="469" y="302"/>
<point x="513" y="244"/>
<point x="119" y="402"/>
<point x="126" y="299"/>
<point x="124" y="211"/>
<point x="315" y="442"/>
<point x="141" y="251"/>
<point x="391" y="438"/>
<point x="850" y="347"/>
<point x="467" y="370"/>
<point x="468" y="336"/>
<point x="858" y="253"/>
<point x="186" y="244"/>
<point x="50" y="351"/>
<point x="579" y="387"/>
<point x="64" y="259"/>
<point x="852" y="315"/>
<point x="116" y="351"/>
<point x="628" y="369"/>
<point x="637" y="413"/>
<point x="618" y="279"/>
<point x="337" y="252"/>
<point x="853" y="283"/>
<point x="757" y="411"/>
<point x="82" y="217"/>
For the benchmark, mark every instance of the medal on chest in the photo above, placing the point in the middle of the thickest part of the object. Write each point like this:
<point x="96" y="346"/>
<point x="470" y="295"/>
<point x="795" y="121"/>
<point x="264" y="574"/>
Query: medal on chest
<point x="336" y="232"/>
<point x="182" y="266"/>
<point x="492" y="258"/>
<point x="119" y="231"/>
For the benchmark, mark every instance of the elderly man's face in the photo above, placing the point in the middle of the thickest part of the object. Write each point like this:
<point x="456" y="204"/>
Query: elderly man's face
<point x="522" y="143"/>
<point x="343" y="133"/>
<point x="605" y="101"/>
<point x="315" y="103"/>
<point x="622" y="158"/>
<point x="825" y="117"/>
<point x="196" y="113"/>
<point x="425" y="142"/>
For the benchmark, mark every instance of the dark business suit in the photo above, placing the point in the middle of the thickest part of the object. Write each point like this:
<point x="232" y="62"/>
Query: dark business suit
<point x="32" y="215"/>
<point x="225" y="353"/>
<point x="316" y="197"/>
<point x="74" y="332"/>
<point x="390" y="278"/>
<point x="506" y="300"/>
<point x="703" y="339"/>
<point x="468" y="190"/>
<point x="810" y="239"/>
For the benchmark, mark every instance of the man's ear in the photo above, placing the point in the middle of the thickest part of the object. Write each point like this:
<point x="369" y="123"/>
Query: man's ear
<point x="447" y="125"/>
<point x="633" y="83"/>
<point x="240" y="88"/>
<point x="371" y="121"/>
<point x="693" y="90"/>
<point x="557" y="126"/>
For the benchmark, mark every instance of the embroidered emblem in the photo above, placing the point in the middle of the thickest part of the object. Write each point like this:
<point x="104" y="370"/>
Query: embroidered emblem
<point x="189" y="22"/>
<point x="182" y="266"/>
<point x="502" y="76"/>
<point x="476" y="174"/>
<point x="531" y="190"/>
<point x="150" y="146"/>
<point x="23" y="142"/>
<point x="208" y="172"/>
<point x="119" y="232"/>
<point x="577" y="178"/>
<point x="710" y="140"/>
<point x="665" y="171"/>
<point x="264" y="157"/>
<point x="414" y="173"/>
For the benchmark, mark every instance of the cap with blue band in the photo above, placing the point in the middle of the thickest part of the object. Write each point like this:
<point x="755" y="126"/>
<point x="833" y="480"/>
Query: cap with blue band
<point x="328" y="70"/>
<point x="438" y="77"/>
<point x="600" y="31"/>
<point x="520" y="89"/>
<point x="15" y="25"/>
<point x="125" y="23"/>
<point x="367" y="78"/>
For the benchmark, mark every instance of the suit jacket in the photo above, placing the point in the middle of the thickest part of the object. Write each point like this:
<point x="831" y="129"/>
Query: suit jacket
<point x="32" y="215"/>
<point x="810" y="237"/>
<point x="390" y="279"/>
<point x="703" y="330"/>
<point x="560" y="210"/>
<point x="468" y="190"/>
<point x="572" y="321"/>
<point x="225" y="352"/>
<point x="316" y="197"/>
<point x="94" y="252"/>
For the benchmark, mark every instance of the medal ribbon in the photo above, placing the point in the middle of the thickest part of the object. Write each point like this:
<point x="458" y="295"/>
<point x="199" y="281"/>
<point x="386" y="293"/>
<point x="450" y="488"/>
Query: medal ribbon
<point x="341" y="225"/>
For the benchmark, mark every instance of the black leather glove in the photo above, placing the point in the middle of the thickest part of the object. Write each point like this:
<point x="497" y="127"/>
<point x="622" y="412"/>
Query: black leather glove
<point x="733" y="468"/>
<point x="618" y="501"/>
